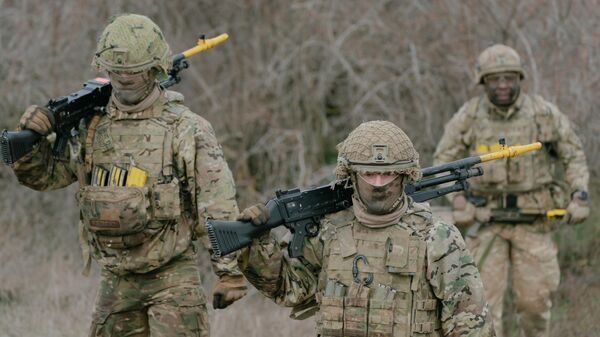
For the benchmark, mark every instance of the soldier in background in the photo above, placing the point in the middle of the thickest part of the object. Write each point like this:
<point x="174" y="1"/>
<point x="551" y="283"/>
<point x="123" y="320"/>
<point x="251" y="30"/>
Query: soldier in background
<point x="150" y="173"/>
<point x="385" y="267"/>
<point x="527" y="183"/>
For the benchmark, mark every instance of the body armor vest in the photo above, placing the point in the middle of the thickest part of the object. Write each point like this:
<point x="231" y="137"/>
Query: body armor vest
<point x="373" y="281"/>
<point x="135" y="228"/>
<point x="531" y="123"/>
<point x="525" y="181"/>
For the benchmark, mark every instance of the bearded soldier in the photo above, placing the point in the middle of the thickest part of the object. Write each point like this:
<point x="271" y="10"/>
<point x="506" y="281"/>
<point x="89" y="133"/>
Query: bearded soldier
<point x="150" y="173"/>
<point x="523" y="184"/>
<point x="386" y="266"/>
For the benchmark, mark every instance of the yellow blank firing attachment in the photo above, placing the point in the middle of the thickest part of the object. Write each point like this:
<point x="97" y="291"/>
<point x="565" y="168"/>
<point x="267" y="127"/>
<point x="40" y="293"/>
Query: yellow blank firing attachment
<point x="511" y="151"/>
<point x="556" y="213"/>
<point x="204" y="44"/>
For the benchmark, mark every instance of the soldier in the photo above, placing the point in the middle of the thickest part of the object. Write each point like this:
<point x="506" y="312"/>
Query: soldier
<point x="386" y="266"/>
<point x="150" y="173"/>
<point x="526" y="182"/>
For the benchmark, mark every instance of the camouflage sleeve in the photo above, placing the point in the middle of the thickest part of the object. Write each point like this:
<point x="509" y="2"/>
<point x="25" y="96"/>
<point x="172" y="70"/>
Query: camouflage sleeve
<point x="456" y="138"/>
<point x="40" y="171"/>
<point x="455" y="141"/>
<point x="455" y="280"/>
<point x="208" y="180"/>
<point x="287" y="281"/>
<point x="570" y="151"/>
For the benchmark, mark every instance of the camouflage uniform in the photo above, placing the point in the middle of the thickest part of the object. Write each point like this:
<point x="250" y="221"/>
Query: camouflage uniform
<point x="527" y="182"/>
<point x="412" y="277"/>
<point x="142" y="236"/>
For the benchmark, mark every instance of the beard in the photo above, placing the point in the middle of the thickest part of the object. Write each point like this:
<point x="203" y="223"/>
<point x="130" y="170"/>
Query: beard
<point x="380" y="200"/>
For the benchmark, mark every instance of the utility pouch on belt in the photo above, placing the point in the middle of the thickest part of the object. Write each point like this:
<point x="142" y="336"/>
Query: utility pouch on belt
<point x="114" y="211"/>
<point x="119" y="215"/>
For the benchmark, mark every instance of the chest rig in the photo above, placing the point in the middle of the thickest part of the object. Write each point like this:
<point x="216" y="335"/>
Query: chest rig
<point x="373" y="281"/>
<point x="135" y="225"/>
<point x="530" y="121"/>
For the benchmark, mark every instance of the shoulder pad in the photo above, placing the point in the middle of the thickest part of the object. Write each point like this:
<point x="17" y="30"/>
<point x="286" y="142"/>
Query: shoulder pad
<point x="173" y="107"/>
<point x="472" y="106"/>
<point x="339" y="219"/>
<point x="174" y="96"/>
<point x="421" y="209"/>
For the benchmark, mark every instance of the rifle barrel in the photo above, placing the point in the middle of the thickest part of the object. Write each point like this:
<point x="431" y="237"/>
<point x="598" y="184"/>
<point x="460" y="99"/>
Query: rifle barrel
<point x="204" y="44"/>
<point x="511" y="151"/>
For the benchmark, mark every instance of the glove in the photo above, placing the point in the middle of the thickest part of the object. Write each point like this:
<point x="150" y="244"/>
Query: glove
<point x="258" y="214"/>
<point x="578" y="209"/>
<point x="37" y="119"/>
<point x="227" y="290"/>
<point x="463" y="211"/>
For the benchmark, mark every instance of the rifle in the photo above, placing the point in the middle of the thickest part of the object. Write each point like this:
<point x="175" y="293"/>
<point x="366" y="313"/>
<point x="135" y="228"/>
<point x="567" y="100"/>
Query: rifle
<point x="511" y="216"/>
<point x="66" y="112"/>
<point x="301" y="210"/>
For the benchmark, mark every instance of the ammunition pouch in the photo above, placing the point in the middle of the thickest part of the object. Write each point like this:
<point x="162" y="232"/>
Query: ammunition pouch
<point x="356" y="311"/>
<point x="331" y="314"/>
<point x="381" y="318"/>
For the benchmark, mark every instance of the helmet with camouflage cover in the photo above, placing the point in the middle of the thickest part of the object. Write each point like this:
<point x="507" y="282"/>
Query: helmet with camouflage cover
<point x="495" y="59"/>
<point x="132" y="43"/>
<point x="378" y="146"/>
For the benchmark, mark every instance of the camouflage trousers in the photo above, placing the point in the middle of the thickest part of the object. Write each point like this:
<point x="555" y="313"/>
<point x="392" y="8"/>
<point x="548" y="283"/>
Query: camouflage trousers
<point x="535" y="273"/>
<point x="165" y="302"/>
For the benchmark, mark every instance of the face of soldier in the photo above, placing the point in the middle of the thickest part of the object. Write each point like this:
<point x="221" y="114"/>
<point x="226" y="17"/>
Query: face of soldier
<point x="380" y="192"/>
<point x="131" y="89"/>
<point x="502" y="88"/>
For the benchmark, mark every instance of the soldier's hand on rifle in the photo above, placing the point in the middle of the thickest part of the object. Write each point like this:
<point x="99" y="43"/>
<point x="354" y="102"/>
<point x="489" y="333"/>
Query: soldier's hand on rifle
<point x="258" y="214"/>
<point x="228" y="289"/>
<point x="38" y="119"/>
<point x="578" y="209"/>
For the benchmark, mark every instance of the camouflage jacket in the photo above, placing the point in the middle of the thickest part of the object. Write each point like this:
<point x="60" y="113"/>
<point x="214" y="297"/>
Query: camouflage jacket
<point x="476" y="128"/>
<point x="194" y="161"/>
<point x="423" y="280"/>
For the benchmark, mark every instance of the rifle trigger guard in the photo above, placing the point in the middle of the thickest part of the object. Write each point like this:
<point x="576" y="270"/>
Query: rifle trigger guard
<point x="312" y="228"/>
<point x="365" y="281"/>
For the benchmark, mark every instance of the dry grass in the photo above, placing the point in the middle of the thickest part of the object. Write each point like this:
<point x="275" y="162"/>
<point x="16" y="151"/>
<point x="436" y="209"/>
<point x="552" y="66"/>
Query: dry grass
<point x="290" y="83"/>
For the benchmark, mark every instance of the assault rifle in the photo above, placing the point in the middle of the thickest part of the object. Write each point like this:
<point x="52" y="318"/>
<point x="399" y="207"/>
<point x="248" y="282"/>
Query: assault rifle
<point x="301" y="210"/>
<point x="66" y="112"/>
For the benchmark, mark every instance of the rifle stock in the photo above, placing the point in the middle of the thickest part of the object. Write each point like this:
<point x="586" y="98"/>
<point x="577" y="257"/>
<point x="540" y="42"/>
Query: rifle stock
<point x="16" y="144"/>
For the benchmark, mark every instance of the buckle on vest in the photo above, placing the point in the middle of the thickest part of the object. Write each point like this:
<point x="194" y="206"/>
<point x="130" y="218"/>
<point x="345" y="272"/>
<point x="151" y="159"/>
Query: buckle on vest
<point x="426" y="327"/>
<point x="426" y="305"/>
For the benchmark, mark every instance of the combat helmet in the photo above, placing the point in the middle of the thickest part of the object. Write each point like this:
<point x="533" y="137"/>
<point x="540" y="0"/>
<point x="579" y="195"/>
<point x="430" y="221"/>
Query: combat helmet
<point x="495" y="59"/>
<point x="132" y="43"/>
<point x="378" y="146"/>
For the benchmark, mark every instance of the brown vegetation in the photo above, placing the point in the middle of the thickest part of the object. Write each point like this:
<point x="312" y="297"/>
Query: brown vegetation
<point x="290" y="83"/>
